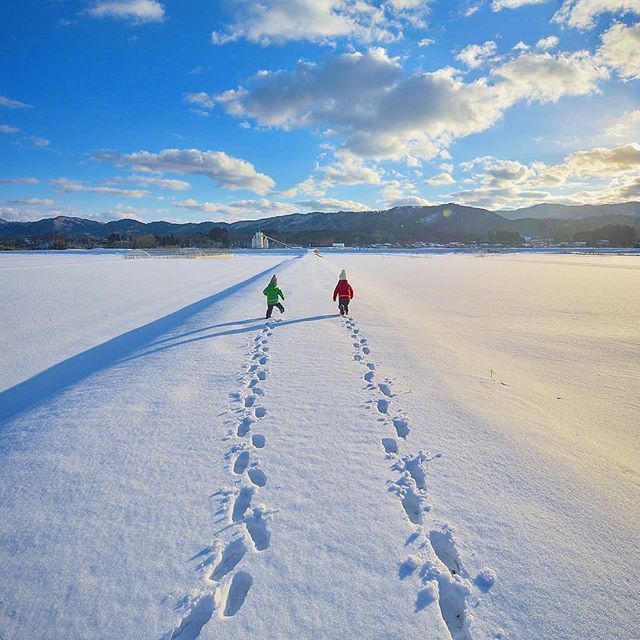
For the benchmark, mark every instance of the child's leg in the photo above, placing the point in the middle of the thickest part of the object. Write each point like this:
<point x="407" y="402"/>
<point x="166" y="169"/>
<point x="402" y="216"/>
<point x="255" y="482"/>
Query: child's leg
<point x="269" y="310"/>
<point x="279" y="305"/>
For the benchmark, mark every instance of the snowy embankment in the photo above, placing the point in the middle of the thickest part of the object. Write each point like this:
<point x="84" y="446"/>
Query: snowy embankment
<point x="459" y="460"/>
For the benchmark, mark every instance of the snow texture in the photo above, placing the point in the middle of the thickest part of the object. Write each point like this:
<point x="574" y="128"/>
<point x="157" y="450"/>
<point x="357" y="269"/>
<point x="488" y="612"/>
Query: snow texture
<point x="457" y="460"/>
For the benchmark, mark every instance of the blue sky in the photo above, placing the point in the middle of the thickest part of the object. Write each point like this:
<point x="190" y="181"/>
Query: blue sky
<point x="191" y="110"/>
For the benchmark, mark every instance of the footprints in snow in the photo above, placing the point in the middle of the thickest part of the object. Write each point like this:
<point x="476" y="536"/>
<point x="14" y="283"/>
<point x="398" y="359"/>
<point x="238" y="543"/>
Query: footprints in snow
<point x="443" y="578"/>
<point x="227" y="587"/>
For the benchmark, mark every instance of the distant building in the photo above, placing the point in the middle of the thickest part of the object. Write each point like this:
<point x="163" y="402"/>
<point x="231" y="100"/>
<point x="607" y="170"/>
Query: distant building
<point x="259" y="241"/>
<point x="338" y="245"/>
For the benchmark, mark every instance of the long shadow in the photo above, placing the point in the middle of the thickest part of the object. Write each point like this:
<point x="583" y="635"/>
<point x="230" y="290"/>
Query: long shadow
<point x="34" y="391"/>
<point x="230" y="332"/>
<point x="209" y="328"/>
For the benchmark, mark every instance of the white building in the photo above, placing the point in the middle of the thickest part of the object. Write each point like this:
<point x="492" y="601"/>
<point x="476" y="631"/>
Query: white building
<point x="259" y="241"/>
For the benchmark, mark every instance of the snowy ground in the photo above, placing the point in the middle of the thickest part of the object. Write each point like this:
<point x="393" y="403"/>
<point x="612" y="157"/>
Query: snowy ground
<point x="459" y="460"/>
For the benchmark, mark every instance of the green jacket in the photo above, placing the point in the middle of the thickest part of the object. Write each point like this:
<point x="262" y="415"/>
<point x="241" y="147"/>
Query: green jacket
<point x="273" y="293"/>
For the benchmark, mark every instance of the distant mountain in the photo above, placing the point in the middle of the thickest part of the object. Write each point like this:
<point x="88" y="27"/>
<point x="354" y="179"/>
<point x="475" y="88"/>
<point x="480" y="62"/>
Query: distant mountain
<point x="441" y="223"/>
<point x="574" y="212"/>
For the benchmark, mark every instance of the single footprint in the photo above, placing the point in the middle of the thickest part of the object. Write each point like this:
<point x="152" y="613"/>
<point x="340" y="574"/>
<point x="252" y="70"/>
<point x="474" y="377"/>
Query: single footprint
<point x="253" y="382"/>
<point x="386" y="390"/>
<point x="390" y="445"/>
<point x="191" y="625"/>
<point x="445" y="548"/>
<point x="231" y="556"/>
<point x="241" y="463"/>
<point x="257" y="476"/>
<point x="260" y="412"/>
<point x="249" y="401"/>
<point x="368" y="376"/>
<point x="263" y="360"/>
<point x="238" y="591"/>
<point x="371" y="366"/>
<point x="241" y="504"/>
<point x="262" y="375"/>
<point x="383" y="405"/>
<point x="411" y="505"/>
<point x="357" y="356"/>
<point x="258" y="440"/>
<point x="257" y="528"/>
<point x="244" y="426"/>
<point x="366" y="350"/>
<point x="402" y="427"/>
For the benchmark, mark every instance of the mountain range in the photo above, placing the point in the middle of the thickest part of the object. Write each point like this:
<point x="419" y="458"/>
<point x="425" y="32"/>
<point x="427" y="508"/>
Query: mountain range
<point x="405" y="224"/>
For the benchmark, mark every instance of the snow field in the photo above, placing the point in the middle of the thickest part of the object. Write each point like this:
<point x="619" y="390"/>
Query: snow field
<point x="212" y="475"/>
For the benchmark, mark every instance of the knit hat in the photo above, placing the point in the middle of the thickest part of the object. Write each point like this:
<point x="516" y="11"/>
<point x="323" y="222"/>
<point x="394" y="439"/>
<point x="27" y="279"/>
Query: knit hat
<point x="343" y="275"/>
<point x="274" y="280"/>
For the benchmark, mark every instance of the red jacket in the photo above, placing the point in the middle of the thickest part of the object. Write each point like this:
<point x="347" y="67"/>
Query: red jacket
<point x="343" y="290"/>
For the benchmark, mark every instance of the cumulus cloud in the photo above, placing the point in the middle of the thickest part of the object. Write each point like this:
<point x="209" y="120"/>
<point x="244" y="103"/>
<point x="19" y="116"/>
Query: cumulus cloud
<point x="383" y="113"/>
<point x="475" y="55"/>
<point x="349" y="169"/>
<point x="136" y="11"/>
<point x="239" y="209"/>
<point x="315" y="20"/>
<point x="224" y="170"/>
<point x="597" y="175"/>
<point x="441" y="179"/>
<point x="628" y="122"/>
<point x="410" y="201"/>
<point x="8" y="129"/>
<point x="550" y="42"/>
<point x="331" y="205"/>
<point x="620" y="49"/>
<point x="544" y="77"/>
<point x="13" y="104"/>
<point x="73" y="186"/>
<point x="581" y="14"/>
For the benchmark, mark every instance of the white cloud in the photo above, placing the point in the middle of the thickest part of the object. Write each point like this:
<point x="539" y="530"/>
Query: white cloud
<point x="544" y="77"/>
<point x="349" y="169"/>
<point x="19" y="180"/>
<point x="239" y="209"/>
<point x="39" y="142"/>
<point x="200" y="99"/>
<point x="145" y="181"/>
<point x="73" y="186"/>
<point x="331" y="205"/>
<point x="597" y="175"/>
<point x="628" y="122"/>
<point x="620" y="50"/>
<point x="498" y="5"/>
<point x="8" y="129"/>
<point x="544" y="44"/>
<point x="136" y="11"/>
<point x="409" y="201"/>
<point x="315" y="20"/>
<point x="224" y="170"/>
<point x="13" y="104"/>
<point x="475" y="55"/>
<point x="582" y="13"/>
<point x="32" y="202"/>
<point x="426" y="42"/>
<point x="441" y="179"/>
<point x="381" y="113"/>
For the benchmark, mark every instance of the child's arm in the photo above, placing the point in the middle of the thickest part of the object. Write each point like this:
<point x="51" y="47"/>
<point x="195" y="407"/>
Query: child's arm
<point x="280" y="293"/>
<point x="335" y="293"/>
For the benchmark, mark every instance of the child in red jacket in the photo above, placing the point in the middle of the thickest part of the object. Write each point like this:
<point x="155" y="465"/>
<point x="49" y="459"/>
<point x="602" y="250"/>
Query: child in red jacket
<point x="344" y="293"/>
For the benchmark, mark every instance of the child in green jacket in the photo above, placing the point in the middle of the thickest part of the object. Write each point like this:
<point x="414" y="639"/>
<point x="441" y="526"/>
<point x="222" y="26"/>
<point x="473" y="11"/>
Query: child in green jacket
<point x="273" y="293"/>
